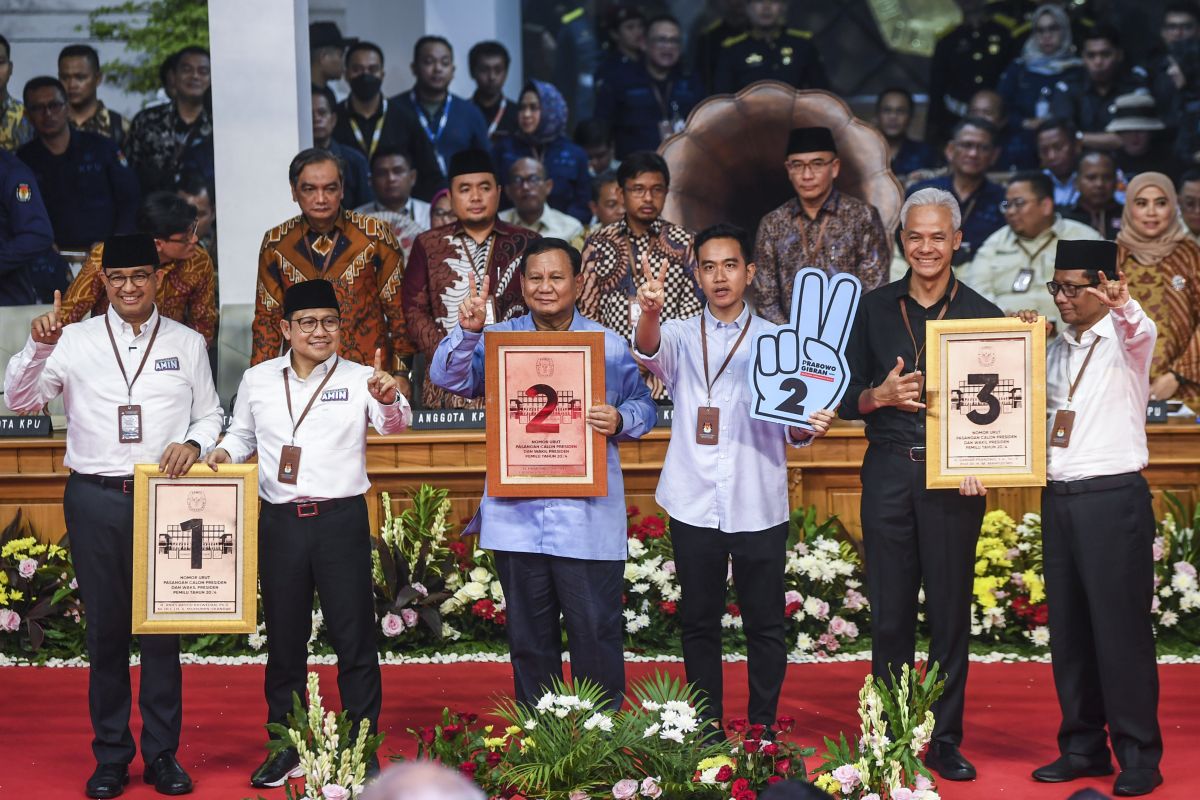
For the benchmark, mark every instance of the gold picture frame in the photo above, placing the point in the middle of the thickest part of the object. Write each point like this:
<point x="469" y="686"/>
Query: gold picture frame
<point x="985" y="402"/>
<point x="539" y="387"/>
<point x="195" y="550"/>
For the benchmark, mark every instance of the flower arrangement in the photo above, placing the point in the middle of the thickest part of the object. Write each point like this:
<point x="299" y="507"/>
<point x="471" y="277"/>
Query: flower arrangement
<point x="1176" y="604"/>
<point x="334" y="763"/>
<point x="39" y="602"/>
<point x="1010" y="591"/>
<point x="411" y="562"/>
<point x="761" y="758"/>
<point x="896" y="724"/>
<point x="823" y="576"/>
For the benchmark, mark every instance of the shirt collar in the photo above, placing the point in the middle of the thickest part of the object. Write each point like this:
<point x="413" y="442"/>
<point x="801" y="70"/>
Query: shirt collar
<point x="1050" y="232"/>
<point x="901" y="285"/>
<point x="320" y="369"/>
<point x="1103" y="329"/>
<point x="124" y="329"/>
<point x="652" y="229"/>
<point x="830" y="206"/>
<point x="337" y="223"/>
<point x="741" y="321"/>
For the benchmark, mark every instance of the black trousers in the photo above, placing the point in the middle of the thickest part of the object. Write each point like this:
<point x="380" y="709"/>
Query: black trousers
<point x="587" y="594"/>
<point x="1099" y="566"/>
<point x="913" y="534"/>
<point x="330" y="553"/>
<point x="100" y="527"/>
<point x="702" y="557"/>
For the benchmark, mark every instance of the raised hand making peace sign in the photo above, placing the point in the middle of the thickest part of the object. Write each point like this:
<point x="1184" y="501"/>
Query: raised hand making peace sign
<point x="472" y="312"/>
<point x="652" y="294"/>
<point x="47" y="329"/>
<point x="799" y="368"/>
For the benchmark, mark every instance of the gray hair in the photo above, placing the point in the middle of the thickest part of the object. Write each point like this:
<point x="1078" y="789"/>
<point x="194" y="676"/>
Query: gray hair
<point x="932" y="197"/>
<point x="422" y="780"/>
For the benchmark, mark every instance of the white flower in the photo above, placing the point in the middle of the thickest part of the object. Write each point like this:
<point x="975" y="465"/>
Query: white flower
<point x="636" y="550"/>
<point x="650" y="705"/>
<point x="1040" y="636"/>
<point x="450" y="633"/>
<point x="1181" y="581"/>
<point x="530" y="724"/>
<point x="497" y="591"/>
<point x="674" y="734"/>
<point x="816" y="607"/>
<point x="1168" y="619"/>
<point x="256" y="640"/>
<point x="650" y="731"/>
<point x="475" y="590"/>
<point x="598" y="720"/>
<point x="546" y="702"/>
<point x="730" y="621"/>
<point x="640" y="588"/>
<point x="1190" y="601"/>
<point x="480" y="575"/>
<point x="450" y="605"/>
<point x="804" y="643"/>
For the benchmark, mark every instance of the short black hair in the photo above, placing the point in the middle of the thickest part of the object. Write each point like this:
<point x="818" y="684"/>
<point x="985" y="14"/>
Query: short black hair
<point x="663" y="18"/>
<point x="546" y="244"/>
<point x="1039" y="183"/>
<point x="642" y="161"/>
<point x="191" y="182"/>
<point x="81" y="51"/>
<point x="167" y="67"/>
<point x="390" y="150"/>
<point x="900" y="90"/>
<point x="488" y="49"/>
<point x="1103" y="31"/>
<point x="600" y="181"/>
<point x="190" y="50"/>
<point x="1188" y="177"/>
<point x="364" y="45"/>
<point x="1105" y="154"/>
<point x="327" y="93"/>
<point x="1056" y="124"/>
<point x="313" y="155"/>
<point x="593" y="133"/>
<point x="430" y="39"/>
<point x="979" y="123"/>
<point x="42" y="82"/>
<point x="1181" y="7"/>
<point x="725" y="230"/>
<point x="164" y="214"/>
<point x="7" y="48"/>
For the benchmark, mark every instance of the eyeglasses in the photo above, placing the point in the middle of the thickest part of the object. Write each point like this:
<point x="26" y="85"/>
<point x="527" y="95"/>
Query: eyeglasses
<point x="1015" y="204"/>
<point x="309" y="324"/>
<point x="527" y="180"/>
<point x="53" y="107"/>
<point x="637" y="190"/>
<point x="816" y="165"/>
<point x="1068" y="289"/>
<point x="117" y="281"/>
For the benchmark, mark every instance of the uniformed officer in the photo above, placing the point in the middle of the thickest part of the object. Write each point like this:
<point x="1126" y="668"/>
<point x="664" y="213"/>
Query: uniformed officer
<point x="313" y="530"/>
<point x="966" y="58"/>
<point x="26" y="238"/>
<point x="707" y="41"/>
<point x="155" y="404"/>
<point x="769" y="51"/>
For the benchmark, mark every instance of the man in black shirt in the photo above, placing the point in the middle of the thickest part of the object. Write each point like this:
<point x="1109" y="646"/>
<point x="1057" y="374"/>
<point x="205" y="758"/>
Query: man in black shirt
<point x="1096" y="206"/>
<point x="489" y="63"/>
<point x="912" y="533"/>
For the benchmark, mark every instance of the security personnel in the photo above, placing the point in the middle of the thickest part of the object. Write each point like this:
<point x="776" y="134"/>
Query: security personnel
<point x="769" y="51"/>
<point x="26" y="238"/>
<point x="313" y="529"/>
<point x="708" y="41"/>
<point x="155" y="404"/>
<point x="966" y="58"/>
<point x="89" y="189"/>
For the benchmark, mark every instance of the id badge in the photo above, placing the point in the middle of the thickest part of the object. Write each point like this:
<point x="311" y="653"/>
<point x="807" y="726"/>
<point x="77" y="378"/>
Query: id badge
<point x="289" y="464"/>
<point x="1023" y="281"/>
<point x="1060" y="433"/>
<point x="129" y="424"/>
<point x="635" y="313"/>
<point x="489" y="313"/>
<point x="708" y="425"/>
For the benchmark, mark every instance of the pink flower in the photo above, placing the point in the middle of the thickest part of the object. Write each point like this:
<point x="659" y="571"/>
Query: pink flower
<point x="1185" y="568"/>
<point x="837" y="626"/>
<point x="851" y="630"/>
<point x="854" y="600"/>
<point x="847" y="776"/>
<point x="409" y="616"/>
<point x="650" y="788"/>
<point x="332" y="791"/>
<point x="420" y="589"/>
<point x="1159" y="549"/>
<point x="392" y="626"/>
<point x="824" y="612"/>
<point x="922" y="784"/>
<point x="1154" y="603"/>
<point x="902" y="794"/>
<point x="792" y="596"/>
<point x="625" y="789"/>
<point x="578" y="794"/>
<point x="9" y="619"/>
<point x="669" y="567"/>
<point x="27" y="568"/>
<point x="74" y="583"/>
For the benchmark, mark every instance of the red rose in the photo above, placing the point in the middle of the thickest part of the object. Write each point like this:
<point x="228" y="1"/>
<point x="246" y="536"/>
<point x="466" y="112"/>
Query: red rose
<point x="485" y="609"/>
<point x="757" y="730"/>
<point x="746" y="795"/>
<point x="427" y="735"/>
<point x="450" y="731"/>
<point x="785" y="724"/>
<point x="724" y="773"/>
<point x="632" y="511"/>
<point x="751" y="745"/>
<point x="494" y="758"/>
<point x="467" y="768"/>
<point x="792" y="608"/>
<point x="737" y="725"/>
<point x="774" y="779"/>
<point x="667" y="606"/>
<point x="740" y="785"/>
<point x="783" y="766"/>
<point x="770" y="749"/>
<point x="469" y="717"/>
<point x="501" y="618"/>
<point x="733" y="610"/>
<point x="654" y="527"/>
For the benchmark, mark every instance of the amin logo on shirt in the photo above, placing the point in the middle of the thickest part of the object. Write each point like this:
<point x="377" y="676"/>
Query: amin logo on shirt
<point x="335" y="394"/>
<point x="163" y="364"/>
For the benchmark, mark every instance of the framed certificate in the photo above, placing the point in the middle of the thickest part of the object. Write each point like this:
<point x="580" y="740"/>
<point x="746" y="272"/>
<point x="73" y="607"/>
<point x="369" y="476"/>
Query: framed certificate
<point x="986" y="401"/>
<point x="539" y="387"/>
<point x="195" y="550"/>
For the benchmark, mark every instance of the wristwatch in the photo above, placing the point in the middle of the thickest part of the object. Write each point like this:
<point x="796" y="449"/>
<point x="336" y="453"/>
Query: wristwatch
<point x="196" y="445"/>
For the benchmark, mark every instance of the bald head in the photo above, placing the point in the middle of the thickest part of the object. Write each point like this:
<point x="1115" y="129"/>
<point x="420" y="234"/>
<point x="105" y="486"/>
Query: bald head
<point x="422" y="780"/>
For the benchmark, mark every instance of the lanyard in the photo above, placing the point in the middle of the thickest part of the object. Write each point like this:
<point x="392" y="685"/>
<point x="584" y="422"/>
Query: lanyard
<point x="369" y="149"/>
<point x="287" y="390"/>
<point x="1073" y="385"/>
<point x="907" y="326"/>
<point x="496" y="119"/>
<point x="434" y="136"/>
<point x="113" y="341"/>
<point x="663" y="107"/>
<point x="704" y="345"/>
<point x="1037" y="252"/>
<point x="811" y="257"/>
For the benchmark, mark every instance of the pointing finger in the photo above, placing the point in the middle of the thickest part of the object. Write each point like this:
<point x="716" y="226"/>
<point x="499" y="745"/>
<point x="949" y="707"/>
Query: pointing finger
<point x="378" y="358"/>
<point x="57" y="301"/>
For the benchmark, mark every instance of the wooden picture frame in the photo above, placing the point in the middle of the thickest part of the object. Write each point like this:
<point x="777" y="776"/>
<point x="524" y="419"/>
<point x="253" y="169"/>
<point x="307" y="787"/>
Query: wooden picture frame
<point x="539" y="387"/>
<point x="985" y="402"/>
<point x="195" y="550"/>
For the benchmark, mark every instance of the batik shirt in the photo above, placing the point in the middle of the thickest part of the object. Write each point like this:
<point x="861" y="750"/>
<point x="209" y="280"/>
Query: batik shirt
<point x="15" y="130"/>
<point x="362" y="260"/>
<point x="106" y="122"/>
<point x="161" y="146"/>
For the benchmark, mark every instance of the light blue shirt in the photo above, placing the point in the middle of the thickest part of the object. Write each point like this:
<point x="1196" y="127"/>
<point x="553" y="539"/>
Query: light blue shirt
<point x="592" y="528"/>
<point x="740" y="483"/>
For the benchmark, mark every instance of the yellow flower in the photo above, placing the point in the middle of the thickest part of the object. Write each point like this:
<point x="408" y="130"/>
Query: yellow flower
<point x="14" y="594"/>
<point x="513" y="730"/>
<point x="1035" y="584"/>
<point x="715" y="761"/>
<point x="983" y="591"/>
<point x="827" y="783"/>
<point x="495" y="743"/>
<point x="56" y="551"/>
<point x="37" y="549"/>
<point x="3" y="578"/>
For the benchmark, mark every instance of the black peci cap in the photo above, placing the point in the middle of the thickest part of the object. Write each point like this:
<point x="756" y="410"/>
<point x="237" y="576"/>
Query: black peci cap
<point x="468" y="162"/>
<point x="129" y="250"/>
<point x="317" y="293"/>
<point x="810" y="140"/>
<point x="1087" y="254"/>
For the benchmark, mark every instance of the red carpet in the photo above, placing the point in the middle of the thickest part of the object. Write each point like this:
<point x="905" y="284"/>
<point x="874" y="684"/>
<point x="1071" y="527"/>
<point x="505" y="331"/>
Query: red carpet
<point x="1011" y="720"/>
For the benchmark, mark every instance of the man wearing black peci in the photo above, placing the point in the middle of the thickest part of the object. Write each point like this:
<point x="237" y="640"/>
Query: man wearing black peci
<point x="912" y="533"/>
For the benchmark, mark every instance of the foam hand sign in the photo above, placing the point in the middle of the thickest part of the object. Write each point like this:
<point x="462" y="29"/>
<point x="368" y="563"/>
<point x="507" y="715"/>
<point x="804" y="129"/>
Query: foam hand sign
<point x="800" y="368"/>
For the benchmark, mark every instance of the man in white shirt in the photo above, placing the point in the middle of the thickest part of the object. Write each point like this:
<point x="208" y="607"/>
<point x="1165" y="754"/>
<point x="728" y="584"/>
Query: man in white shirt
<point x="313" y="530"/>
<point x="727" y="496"/>
<point x="1098" y="525"/>
<point x="155" y="404"/>
<point x="527" y="188"/>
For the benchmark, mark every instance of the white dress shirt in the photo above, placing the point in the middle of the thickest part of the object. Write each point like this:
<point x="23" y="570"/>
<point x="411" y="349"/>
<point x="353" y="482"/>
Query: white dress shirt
<point x="740" y="483"/>
<point x="175" y="390"/>
<point x="552" y="223"/>
<point x="332" y="439"/>
<point x="1109" y="432"/>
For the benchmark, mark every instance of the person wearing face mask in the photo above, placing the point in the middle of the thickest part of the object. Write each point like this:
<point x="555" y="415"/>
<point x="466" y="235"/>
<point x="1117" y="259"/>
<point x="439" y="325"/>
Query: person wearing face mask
<point x="449" y="123"/>
<point x="366" y="120"/>
<point x="542" y="125"/>
<point x="1161" y="263"/>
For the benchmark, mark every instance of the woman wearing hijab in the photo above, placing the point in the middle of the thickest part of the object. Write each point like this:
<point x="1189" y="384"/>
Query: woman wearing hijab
<point x="1047" y="60"/>
<point x="541" y="134"/>
<point x="1162" y="265"/>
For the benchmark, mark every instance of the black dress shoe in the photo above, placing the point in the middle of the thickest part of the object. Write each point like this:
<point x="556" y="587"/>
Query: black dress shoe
<point x="167" y="776"/>
<point x="279" y="766"/>
<point x="1070" y="767"/>
<point x="947" y="761"/>
<point x="108" y="780"/>
<point x="1133" y="782"/>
